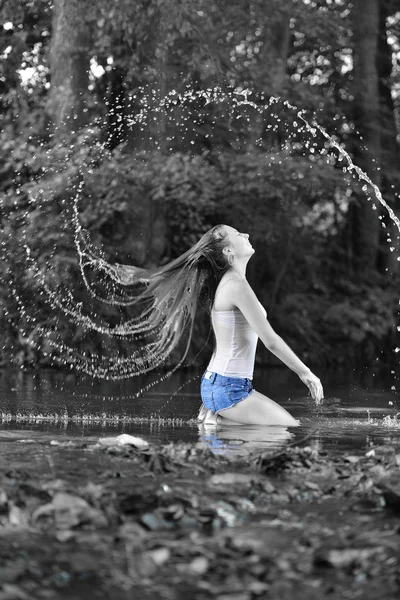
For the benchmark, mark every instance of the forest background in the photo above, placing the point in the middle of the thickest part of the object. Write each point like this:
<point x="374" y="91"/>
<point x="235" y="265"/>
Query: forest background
<point x="77" y="76"/>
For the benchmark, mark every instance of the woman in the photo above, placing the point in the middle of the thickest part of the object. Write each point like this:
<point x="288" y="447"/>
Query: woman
<point x="212" y="272"/>
<point x="238" y="321"/>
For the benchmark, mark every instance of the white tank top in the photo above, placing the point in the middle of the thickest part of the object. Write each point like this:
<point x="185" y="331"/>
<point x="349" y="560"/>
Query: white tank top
<point x="236" y="344"/>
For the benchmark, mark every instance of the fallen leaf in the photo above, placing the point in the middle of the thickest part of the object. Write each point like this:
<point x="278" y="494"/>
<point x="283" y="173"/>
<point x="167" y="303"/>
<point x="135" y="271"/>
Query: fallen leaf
<point x="13" y="592"/>
<point x="348" y="556"/>
<point x="17" y="517"/>
<point x="140" y="565"/>
<point x="231" y="479"/>
<point x="64" y="536"/>
<point x="312" y="485"/>
<point x="62" y="444"/>
<point x="258" y="587"/>
<point x="69" y="511"/>
<point x="199" y="565"/>
<point x="160" y="555"/>
<point x="352" y="459"/>
<point x="132" y="531"/>
<point x="269" y="488"/>
<point x="3" y="501"/>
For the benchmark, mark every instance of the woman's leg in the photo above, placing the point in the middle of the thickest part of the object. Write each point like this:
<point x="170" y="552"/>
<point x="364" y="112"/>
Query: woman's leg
<point x="206" y="416"/>
<point x="257" y="409"/>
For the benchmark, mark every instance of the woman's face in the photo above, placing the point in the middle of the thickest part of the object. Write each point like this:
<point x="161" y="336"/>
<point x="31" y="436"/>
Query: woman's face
<point x="238" y="242"/>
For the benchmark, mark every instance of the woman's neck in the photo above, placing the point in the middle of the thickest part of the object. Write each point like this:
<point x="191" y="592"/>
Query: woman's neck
<point x="239" y="267"/>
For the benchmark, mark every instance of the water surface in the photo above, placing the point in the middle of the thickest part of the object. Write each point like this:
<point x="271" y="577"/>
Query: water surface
<point x="49" y="405"/>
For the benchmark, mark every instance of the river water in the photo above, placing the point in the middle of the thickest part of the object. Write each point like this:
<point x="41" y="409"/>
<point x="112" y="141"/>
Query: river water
<point x="359" y="411"/>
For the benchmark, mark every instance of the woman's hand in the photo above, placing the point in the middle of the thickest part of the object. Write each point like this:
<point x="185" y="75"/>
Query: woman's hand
<point x="314" y="385"/>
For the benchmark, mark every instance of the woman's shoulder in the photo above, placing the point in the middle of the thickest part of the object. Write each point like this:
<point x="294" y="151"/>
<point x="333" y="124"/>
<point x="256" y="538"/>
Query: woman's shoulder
<point x="235" y="293"/>
<point x="233" y="282"/>
<point x="228" y="282"/>
<point x="227" y="290"/>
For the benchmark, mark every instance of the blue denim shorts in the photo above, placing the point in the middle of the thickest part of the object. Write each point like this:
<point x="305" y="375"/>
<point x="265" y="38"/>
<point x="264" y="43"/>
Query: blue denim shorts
<point x="219" y="392"/>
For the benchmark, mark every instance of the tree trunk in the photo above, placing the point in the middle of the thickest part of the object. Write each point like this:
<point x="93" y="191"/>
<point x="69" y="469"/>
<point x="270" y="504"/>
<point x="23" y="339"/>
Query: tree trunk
<point x="69" y="66"/>
<point x="273" y="58"/>
<point x="390" y="184"/>
<point x="280" y="49"/>
<point x="365" y="223"/>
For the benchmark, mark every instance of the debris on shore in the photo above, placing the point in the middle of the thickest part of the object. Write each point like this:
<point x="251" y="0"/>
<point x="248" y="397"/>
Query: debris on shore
<point x="124" y="517"/>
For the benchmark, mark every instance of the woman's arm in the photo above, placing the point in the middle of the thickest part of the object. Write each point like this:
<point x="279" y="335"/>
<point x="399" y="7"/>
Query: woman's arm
<point x="246" y="301"/>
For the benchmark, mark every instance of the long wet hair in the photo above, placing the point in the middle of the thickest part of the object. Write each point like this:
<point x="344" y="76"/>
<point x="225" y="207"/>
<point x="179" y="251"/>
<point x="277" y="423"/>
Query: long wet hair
<point x="165" y="300"/>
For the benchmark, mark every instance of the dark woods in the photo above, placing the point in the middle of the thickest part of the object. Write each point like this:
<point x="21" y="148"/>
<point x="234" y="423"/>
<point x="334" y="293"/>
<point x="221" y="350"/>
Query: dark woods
<point x="76" y="75"/>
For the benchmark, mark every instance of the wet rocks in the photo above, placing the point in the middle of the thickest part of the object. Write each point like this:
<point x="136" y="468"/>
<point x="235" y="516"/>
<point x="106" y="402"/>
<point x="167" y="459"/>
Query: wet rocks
<point x="124" y="440"/>
<point x="181" y="522"/>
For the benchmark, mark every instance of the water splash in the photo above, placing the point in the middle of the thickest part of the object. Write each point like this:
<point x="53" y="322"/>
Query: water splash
<point x="150" y="345"/>
<point x="86" y="419"/>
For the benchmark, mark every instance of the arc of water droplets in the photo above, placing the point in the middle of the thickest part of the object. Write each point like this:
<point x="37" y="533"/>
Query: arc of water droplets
<point x="92" y="257"/>
<point x="140" y="361"/>
<point x="74" y="310"/>
<point x="144" y="359"/>
<point x="116" y="367"/>
<point x="217" y="94"/>
<point x="361" y="174"/>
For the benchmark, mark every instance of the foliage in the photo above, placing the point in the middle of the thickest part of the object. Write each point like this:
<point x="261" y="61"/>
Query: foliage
<point x="149" y="192"/>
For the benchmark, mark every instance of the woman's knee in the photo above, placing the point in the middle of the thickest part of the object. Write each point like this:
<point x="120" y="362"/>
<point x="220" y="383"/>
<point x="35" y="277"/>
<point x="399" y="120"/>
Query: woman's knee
<point x="257" y="409"/>
<point x="272" y="407"/>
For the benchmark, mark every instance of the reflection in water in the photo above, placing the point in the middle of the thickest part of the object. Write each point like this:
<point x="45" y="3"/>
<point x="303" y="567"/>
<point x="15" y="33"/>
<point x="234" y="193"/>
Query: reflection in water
<point x="234" y="439"/>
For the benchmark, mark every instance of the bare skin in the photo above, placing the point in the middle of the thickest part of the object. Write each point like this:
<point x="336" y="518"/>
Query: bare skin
<point x="234" y="292"/>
